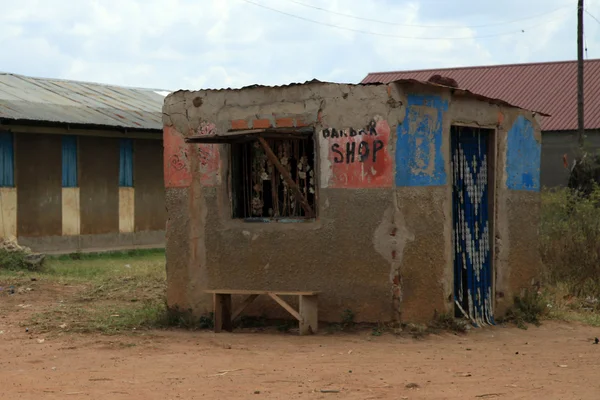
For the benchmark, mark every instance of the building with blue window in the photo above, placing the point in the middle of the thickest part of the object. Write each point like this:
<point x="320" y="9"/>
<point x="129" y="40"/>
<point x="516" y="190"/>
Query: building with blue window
<point x="80" y="165"/>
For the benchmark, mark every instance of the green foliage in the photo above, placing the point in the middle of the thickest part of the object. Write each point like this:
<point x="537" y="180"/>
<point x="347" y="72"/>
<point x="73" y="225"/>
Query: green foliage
<point x="347" y="319"/>
<point x="447" y="322"/>
<point x="108" y="255"/>
<point x="12" y="260"/>
<point x="570" y="239"/>
<point x="529" y="308"/>
<point x="19" y="260"/>
<point x="248" y="321"/>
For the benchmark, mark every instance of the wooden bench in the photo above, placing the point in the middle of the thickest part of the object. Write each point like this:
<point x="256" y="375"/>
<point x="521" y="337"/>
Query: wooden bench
<point x="307" y="316"/>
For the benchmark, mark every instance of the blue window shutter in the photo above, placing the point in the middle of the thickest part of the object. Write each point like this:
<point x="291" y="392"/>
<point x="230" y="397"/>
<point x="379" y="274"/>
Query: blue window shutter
<point x="69" y="161"/>
<point x="126" y="163"/>
<point x="7" y="160"/>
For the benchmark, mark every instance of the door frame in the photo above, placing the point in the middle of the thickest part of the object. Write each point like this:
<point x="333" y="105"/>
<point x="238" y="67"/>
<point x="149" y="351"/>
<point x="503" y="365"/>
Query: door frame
<point x="492" y="156"/>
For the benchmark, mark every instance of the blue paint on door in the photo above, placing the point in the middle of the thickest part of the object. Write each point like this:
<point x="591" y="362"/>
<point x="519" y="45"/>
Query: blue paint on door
<point x="471" y="228"/>
<point x="126" y="163"/>
<point x="69" y="161"/>
<point x="419" y="158"/>
<point x="523" y="157"/>
<point x="7" y="160"/>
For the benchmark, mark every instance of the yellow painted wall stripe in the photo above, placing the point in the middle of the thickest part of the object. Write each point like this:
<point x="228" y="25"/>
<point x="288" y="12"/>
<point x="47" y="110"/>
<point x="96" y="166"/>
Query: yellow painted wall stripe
<point x="126" y="209"/>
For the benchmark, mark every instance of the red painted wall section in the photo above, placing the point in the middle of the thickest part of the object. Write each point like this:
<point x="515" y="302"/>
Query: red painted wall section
<point x="209" y="159"/>
<point x="359" y="157"/>
<point x="177" y="158"/>
<point x="177" y="165"/>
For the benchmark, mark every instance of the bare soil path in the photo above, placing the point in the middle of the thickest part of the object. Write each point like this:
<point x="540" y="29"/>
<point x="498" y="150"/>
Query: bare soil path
<point x="554" y="361"/>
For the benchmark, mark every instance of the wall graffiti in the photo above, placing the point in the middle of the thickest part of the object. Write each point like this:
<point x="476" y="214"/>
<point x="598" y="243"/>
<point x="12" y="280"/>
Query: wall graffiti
<point x="177" y="161"/>
<point x="176" y="164"/>
<point x="359" y="157"/>
<point x="208" y="156"/>
<point x="419" y="157"/>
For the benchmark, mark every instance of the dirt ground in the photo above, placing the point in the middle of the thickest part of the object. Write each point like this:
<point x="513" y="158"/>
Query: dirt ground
<point x="555" y="361"/>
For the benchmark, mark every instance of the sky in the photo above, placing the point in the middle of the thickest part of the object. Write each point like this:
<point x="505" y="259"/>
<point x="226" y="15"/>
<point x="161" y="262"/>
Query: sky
<point x="195" y="44"/>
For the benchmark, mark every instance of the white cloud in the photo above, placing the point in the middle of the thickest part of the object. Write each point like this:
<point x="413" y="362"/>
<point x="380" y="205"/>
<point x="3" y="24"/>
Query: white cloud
<point x="172" y="44"/>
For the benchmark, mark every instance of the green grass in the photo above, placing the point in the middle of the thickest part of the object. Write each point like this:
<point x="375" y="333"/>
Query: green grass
<point x="115" y="292"/>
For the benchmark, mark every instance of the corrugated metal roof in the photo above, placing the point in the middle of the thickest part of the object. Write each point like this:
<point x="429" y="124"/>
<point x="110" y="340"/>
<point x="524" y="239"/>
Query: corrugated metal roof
<point x="463" y="92"/>
<point x="548" y="87"/>
<point x="59" y="101"/>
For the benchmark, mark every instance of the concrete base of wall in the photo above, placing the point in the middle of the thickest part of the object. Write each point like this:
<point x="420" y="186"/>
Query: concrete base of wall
<point x="92" y="243"/>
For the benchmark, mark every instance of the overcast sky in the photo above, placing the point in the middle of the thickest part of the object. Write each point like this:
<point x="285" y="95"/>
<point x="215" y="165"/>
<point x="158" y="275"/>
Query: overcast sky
<point x="192" y="44"/>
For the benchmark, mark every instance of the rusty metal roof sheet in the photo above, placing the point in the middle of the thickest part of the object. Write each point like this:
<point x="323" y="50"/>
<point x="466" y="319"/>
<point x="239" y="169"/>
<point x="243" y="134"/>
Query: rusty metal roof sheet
<point x="548" y="87"/>
<point x="29" y="99"/>
<point x="457" y="91"/>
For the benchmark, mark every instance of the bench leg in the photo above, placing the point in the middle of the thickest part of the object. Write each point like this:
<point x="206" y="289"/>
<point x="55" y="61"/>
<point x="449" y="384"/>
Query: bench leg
<point x="309" y="312"/>
<point x="222" y="311"/>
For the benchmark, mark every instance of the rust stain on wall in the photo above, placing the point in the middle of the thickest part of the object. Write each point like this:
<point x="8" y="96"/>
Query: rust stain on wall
<point x="150" y="213"/>
<point x="39" y="182"/>
<point x="99" y="185"/>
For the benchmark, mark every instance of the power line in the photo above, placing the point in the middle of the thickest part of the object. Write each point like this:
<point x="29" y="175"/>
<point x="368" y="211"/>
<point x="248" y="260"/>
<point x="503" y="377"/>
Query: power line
<point x="590" y="14"/>
<point x="390" y="35"/>
<point x="424" y="26"/>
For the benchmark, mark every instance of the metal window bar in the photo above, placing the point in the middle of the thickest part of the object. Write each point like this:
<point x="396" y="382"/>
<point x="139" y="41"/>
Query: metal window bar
<point x="263" y="192"/>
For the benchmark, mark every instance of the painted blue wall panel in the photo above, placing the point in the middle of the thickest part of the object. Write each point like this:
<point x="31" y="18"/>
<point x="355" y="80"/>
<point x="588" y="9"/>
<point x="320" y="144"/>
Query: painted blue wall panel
<point x="7" y="160"/>
<point x="523" y="157"/>
<point x="419" y="158"/>
<point x="69" y="161"/>
<point x="126" y="163"/>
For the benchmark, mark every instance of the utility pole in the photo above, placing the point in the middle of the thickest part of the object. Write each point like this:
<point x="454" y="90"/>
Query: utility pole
<point x="580" y="119"/>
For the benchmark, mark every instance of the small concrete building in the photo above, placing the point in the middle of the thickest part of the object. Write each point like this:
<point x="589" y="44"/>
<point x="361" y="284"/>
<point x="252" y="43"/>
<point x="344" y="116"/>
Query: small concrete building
<point x="80" y="165"/>
<point x="394" y="201"/>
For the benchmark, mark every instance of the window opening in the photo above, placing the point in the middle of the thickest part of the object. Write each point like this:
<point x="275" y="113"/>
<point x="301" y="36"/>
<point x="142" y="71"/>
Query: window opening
<point x="7" y="160"/>
<point x="126" y="163"/>
<point x="69" y="161"/>
<point x="273" y="179"/>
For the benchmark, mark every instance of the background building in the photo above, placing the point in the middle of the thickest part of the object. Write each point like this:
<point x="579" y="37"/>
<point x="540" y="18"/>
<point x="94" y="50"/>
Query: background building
<point x="548" y="87"/>
<point x="80" y="165"/>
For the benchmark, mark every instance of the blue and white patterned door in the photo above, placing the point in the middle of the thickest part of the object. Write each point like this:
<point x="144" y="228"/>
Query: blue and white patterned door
<point x="471" y="226"/>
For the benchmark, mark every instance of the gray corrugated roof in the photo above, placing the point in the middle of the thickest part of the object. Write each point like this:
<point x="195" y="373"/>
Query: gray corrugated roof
<point x="60" y="101"/>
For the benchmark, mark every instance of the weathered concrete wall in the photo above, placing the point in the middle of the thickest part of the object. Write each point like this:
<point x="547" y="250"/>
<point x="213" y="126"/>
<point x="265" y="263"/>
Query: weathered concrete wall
<point x="557" y="144"/>
<point x="381" y="245"/>
<point x="150" y="214"/>
<point x="38" y="178"/>
<point x="50" y="218"/>
<point x="99" y="183"/>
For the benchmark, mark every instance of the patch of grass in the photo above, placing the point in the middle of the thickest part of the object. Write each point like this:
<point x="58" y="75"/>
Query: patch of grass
<point x="529" y="308"/>
<point x="447" y="322"/>
<point x="248" y="321"/>
<point x="347" y="319"/>
<point x="107" y="319"/>
<point x="135" y="253"/>
<point x="563" y="306"/>
<point x="569" y="235"/>
<point x="377" y="331"/>
<point x="285" y="326"/>
<point x="117" y="293"/>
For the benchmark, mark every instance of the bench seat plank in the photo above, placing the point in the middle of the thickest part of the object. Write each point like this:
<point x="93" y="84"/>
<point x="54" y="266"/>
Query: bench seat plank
<point x="259" y="292"/>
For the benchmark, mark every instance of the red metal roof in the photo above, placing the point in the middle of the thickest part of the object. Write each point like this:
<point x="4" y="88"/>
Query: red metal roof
<point x="547" y="87"/>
